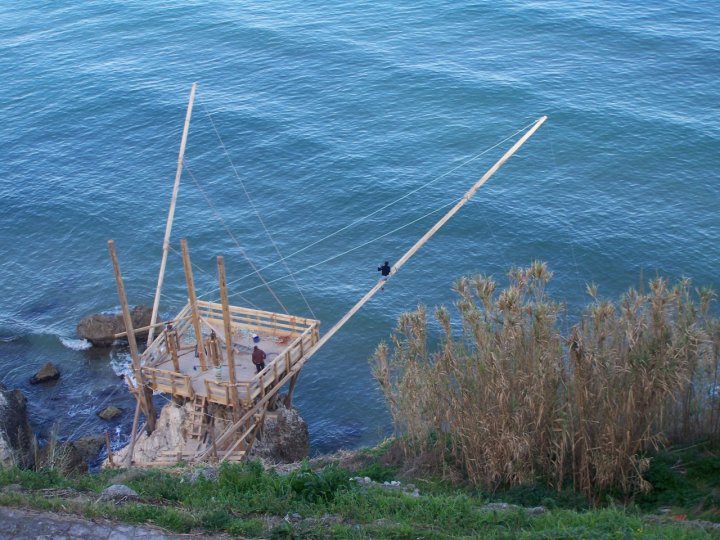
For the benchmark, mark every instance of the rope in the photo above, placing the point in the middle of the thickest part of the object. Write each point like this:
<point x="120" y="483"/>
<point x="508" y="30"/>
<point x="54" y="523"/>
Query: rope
<point x="257" y="213"/>
<point x="361" y="245"/>
<point x="386" y="206"/>
<point x="91" y="415"/>
<point x="232" y="236"/>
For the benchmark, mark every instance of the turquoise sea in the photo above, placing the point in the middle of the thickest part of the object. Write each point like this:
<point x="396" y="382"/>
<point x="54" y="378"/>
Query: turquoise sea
<point x="329" y="111"/>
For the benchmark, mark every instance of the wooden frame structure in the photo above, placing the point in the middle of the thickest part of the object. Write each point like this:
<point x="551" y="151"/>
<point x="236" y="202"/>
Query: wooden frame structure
<point x="204" y="356"/>
<point x="199" y="329"/>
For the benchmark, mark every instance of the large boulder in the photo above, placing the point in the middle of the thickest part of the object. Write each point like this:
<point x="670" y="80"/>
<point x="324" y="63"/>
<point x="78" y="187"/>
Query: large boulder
<point x="16" y="436"/>
<point x="284" y="437"/>
<point x="100" y="329"/>
<point x="49" y="372"/>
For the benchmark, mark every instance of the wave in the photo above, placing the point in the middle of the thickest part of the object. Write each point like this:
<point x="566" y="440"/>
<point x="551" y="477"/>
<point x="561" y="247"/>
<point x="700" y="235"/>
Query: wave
<point x="121" y="364"/>
<point x="75" y="344"/>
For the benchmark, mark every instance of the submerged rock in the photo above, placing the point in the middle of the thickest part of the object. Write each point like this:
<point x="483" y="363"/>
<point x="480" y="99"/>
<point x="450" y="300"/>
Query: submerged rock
<point x="16" y="436"/>
<point x="100" y="329"/>
<point x="108" y="413"/>
<point x="49" y="372"/>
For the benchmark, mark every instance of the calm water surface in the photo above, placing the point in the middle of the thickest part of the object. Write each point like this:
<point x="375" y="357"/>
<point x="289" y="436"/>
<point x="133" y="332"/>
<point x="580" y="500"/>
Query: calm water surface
<point x="330" y="110"/>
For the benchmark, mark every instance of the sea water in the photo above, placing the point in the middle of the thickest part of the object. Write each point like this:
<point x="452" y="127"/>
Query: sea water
<point x="326" y="112"/>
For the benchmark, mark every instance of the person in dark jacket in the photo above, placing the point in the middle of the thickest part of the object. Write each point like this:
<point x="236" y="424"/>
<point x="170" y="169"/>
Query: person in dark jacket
<point x="384" y="272"/>
<point x="258" y="358"/>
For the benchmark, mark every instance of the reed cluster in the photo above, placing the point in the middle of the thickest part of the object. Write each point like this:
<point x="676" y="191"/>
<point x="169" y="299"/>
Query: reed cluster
<point x="505" y="397"/>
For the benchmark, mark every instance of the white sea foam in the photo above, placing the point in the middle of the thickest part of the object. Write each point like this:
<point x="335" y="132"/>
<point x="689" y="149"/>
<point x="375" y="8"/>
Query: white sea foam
<point x="76" y="344"/>
<point x="121" y="364"/>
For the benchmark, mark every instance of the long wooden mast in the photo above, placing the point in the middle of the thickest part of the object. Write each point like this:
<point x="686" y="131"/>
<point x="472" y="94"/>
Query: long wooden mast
<point x="171" y="214"/>
<point x="409" y="253"/>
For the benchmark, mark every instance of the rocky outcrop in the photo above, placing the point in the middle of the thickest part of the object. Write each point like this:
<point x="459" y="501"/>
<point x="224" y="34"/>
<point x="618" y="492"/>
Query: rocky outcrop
<point x="284" y="438"/>
<point x="49" y="372"/>
<point x="16" y="436"/>
<point x="168" y="438"/>
<point x="100" y="329"/>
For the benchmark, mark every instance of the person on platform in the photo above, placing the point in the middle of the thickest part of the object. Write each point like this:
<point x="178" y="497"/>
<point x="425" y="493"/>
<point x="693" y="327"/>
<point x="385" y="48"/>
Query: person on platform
<point x="258" y="358"/>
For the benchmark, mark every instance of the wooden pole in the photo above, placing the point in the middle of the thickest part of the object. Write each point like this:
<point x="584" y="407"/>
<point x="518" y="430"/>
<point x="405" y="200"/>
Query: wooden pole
<point x="109" y="449"/>
<point x="193" y="303"/>
<point x="171" y="214"/>
<point x="143" y="328"/>
<point x="133" y="436"/>
<point x="228" y="330"/>
<point x="143" y="391"/>
<point x="296" y="368"/>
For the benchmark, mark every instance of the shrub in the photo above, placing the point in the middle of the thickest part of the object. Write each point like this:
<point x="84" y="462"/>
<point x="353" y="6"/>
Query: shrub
<point x="519" y="401"/>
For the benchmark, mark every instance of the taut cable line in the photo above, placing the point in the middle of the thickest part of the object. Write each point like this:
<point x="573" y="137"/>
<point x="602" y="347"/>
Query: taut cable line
<point x="232" y="237"/>
<point x="373" y="213"/>
<point x="257" y="213"/>
<point x="408" y="254"/>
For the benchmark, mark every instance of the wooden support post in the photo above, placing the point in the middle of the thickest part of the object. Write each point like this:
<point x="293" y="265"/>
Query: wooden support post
<point x="193" y="303"/>
<point x="143" y="391"/>
<point x="291" y="388"/>
<point x="171" y="342"/>
<point x="109" y="449"/>
<point x="228" y="331"/>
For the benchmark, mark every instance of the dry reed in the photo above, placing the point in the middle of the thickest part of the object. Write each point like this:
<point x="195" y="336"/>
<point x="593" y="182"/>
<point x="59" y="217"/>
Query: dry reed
<point x="505" y="398"/>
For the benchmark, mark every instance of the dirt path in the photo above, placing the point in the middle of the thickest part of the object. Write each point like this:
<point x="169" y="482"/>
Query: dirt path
<point x="21" y="524"/>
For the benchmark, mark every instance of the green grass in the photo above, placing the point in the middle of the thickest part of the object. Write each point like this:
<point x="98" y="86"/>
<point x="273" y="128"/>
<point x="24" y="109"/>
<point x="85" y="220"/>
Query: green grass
<point x="247" y="501"/>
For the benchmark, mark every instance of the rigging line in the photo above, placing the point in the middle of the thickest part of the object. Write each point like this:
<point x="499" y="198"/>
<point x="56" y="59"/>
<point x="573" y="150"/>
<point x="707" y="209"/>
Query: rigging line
<point x="361" y="245"/>
<point x="361" y="219"/>
<point x="244" y="299"/>
<point x="91" y="416"/>
<point x="257" y="213"/>
<point x="232" y="236"/>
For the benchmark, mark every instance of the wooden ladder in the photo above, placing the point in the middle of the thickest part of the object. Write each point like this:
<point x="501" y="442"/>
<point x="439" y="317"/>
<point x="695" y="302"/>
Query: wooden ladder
<point x="198" y="417"/>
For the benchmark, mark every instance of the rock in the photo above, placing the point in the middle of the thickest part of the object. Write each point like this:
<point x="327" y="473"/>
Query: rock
<point x="89" y="447"/>
<point x="13" y="488"/>
<point x="49" y="372"/>
<point x="16" y="436"/>
<point x="208" y="473"/>
<point x="100" y="329"/>
<point x="284" y="438"/>
<point x="118" y="492"/>
<point x="108" y="413"/>
<point x="62" y="457"/>
<point x="168" y="438"/>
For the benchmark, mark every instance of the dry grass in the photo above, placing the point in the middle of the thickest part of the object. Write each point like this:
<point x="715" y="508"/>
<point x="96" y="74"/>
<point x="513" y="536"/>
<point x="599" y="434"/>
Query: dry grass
<point x="505" y="398"/>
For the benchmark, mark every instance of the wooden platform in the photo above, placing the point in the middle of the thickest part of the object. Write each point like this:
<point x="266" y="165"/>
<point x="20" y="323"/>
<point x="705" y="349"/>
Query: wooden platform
<point x="283" y="338"/>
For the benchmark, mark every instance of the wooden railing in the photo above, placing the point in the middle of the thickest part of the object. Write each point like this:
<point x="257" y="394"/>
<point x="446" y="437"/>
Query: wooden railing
<point x="177" y="384"/>
<point x="261" y="322"/>
<point x="157" y="353"/>
<point x="265" y="381"/>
